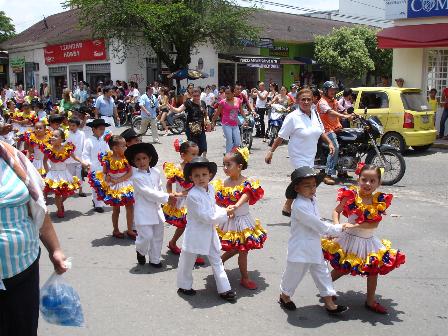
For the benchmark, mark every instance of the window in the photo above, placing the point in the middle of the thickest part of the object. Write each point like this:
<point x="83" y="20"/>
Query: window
<point x="374" y="100"/>
<point x="437" y="69"/>
<point x="414" y="101"/>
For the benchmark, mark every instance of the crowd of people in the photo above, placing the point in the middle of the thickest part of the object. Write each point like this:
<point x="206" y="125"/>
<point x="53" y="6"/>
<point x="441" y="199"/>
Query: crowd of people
<point x="45" y="153"/>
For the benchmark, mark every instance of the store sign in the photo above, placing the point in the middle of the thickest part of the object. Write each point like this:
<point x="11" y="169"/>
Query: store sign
<point x="17" y="62"/>
<point x="258" y="60"/>
<point x="408" y="9"/>
<point x="263" y="66"/>
<point x="90" y="50"/>
<point x="279" y="51"/>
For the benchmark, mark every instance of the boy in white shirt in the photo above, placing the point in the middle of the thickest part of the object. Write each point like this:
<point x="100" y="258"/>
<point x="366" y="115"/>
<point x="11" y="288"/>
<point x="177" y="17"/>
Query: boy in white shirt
<point x="200" y="236"/>
<point x="149" y="197"/>
<point x="304" y="245"/>
<point x="76" y="137"/>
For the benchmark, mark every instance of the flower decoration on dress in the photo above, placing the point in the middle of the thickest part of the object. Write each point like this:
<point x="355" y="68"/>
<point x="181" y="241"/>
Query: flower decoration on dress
<point x="174" y="174"/>
<point x="359" y="168"/>
<point x="59" y="156"/>
<point x="248" y="239"/>
<point x="174" y="216"/>
<point x="226" y="196"/>
<point x="31" y="139"/>
<point x="61" y="187"/>
<point x="243" y="151"/>
<point x="107" y="135"/>
<point x="121" y="196"/>
<point x="113" y="165"/>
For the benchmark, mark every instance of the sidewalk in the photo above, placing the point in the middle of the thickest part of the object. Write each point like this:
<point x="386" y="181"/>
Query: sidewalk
<point x="439" y="143"/>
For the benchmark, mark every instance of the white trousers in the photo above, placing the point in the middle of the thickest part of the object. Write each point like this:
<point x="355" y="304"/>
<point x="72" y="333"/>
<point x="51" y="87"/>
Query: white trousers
<point x="144" y="127"/>
<point x="111" y="121"/>
<point x="295" y="271"/>
<point x="96" y="202"/>
<point x="149" y="241"/>
<point x="185" y="270"/>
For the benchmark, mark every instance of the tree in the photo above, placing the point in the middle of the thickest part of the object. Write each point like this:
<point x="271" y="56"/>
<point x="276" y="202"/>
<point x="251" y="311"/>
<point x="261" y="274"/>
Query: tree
<point x="164" y="24"/>
<point x="7" y="29"/>
<point x="353" y="52"/>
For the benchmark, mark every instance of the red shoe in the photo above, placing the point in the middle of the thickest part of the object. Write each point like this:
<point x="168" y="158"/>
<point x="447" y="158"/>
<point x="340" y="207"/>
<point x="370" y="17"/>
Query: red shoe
<point x="60" y="214"/>
<point x="174" y="248"/>
<point x="376" y="308"/>
<point x="199" y="261"/>
<point x="132" y="235"/>
<point x="249" y="284"/>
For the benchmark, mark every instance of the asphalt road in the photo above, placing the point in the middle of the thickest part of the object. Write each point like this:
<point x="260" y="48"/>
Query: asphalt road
<point x="121" y="298"/>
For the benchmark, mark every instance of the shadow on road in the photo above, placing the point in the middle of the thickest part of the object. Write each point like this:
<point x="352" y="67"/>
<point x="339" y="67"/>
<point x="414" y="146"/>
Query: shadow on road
<point x="315" y="316"/>
<point x="111" y="241"/>
<point x="280" y="224"/>
<point x="69" y="215"/>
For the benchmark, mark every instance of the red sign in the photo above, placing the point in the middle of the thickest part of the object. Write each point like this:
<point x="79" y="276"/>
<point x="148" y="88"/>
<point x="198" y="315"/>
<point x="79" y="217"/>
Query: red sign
<point x="90" y="50"/>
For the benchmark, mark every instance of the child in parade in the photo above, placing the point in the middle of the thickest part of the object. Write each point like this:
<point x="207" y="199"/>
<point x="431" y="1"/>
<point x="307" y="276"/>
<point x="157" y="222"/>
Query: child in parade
<point x="76" y="137"/>
<point x="357" y="251"/>
<point x="40" y="112"/>
<point x="131" y="137"/>
<point x="176" y="212"/>
<point x="149" y="196"/>
<point x="35" y="143"/>
<point x="55" y="121"/>
<point x="304" y="249"/>
<point x="113" y="184"/>
<point x="58" y="178"/>
<point x="93" y="146"/>
<point x="23" y="121"/>
<point x="200" y="235"/>
<point x="241" y="233"/>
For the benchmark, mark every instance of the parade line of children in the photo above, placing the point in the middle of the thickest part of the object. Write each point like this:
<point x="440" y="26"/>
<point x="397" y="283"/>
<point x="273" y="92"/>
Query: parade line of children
<point x="213" y="215"/>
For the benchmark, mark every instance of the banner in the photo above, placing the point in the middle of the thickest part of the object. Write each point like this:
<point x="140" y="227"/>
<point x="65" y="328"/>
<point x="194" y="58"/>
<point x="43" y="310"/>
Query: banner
<point x="90" y="50"/>
<point x="408" y="9"/>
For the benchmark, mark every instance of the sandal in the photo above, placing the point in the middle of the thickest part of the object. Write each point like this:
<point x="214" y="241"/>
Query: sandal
<point x="188" y="292"/>
<point x="199" y="261"/>
<point x="174" y="248"/>
<point x="228" y="296"/>
<point x="249" y="284"/>
<point x="287" y="305"/>
<point x="60" y="214"/>
<point x="286" y="213"/>
<point x="118" y="234"/>
<point x="376" y="308"/>
<point x="338" y="310"/>
<point x="131" y="235"/>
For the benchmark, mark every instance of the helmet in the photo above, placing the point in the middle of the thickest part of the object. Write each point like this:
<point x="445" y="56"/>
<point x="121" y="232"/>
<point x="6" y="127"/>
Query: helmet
<point x="328" y="85"/>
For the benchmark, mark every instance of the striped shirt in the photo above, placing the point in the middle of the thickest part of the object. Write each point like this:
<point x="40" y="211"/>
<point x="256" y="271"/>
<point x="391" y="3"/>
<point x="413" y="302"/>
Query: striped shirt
<point x="19" y="237"/>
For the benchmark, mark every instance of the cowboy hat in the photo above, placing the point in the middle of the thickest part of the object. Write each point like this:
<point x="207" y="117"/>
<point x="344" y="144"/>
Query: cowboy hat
<point x="129" y="134"/>
<point x="97" y="123"/>
<point x="199" y="162"/>
<point x="143" y="147"/>
<point x="298" y="175"/>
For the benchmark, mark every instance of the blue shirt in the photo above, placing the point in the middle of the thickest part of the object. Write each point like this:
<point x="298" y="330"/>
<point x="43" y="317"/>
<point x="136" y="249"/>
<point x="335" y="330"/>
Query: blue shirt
<point x="151" y="104"/>
<point x="19" y="237"/>
<point x="105" y="106"/>
<point x="81" y="95"/>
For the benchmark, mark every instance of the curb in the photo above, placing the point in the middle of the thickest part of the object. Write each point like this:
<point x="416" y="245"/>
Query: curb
<point x="440" y="145"/>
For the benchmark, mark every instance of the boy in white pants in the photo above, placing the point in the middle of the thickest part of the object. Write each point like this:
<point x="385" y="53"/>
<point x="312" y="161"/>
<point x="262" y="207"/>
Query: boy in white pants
<point x="200" y="236"/>
<point x="149" y="196"/>
<point x="76" y="137"/>
<point x="304" y="246"/>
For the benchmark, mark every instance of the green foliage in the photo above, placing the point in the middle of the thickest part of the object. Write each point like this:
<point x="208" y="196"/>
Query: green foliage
<point x="7" y="29"/>
<point x="162" y="25"/>
<point x="352" y="52"/>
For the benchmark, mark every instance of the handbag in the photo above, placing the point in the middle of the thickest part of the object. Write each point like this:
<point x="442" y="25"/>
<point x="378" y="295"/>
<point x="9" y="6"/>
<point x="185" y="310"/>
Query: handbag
<point x="195" y="127"/>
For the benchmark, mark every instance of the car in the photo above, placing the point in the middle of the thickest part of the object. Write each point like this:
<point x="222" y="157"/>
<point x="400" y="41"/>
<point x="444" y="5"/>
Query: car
<point x="405" y="114"/>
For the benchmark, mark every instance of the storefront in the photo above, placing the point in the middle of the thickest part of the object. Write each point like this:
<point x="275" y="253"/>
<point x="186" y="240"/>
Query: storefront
<point x="4" y="60"/>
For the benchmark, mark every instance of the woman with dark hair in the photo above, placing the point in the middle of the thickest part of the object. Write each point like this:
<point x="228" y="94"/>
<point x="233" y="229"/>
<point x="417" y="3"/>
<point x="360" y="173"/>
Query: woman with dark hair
<point x="164" y="100"/>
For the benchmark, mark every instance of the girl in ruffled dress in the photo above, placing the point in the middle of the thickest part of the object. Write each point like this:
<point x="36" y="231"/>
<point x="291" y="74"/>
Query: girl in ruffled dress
<point x="357" y="251"/>
<point x="241" y="233"/>
<point x="58" y="179"/>
<point x="175" y="211"/>
<point x="23" y="121"/>
<point x="113" y="185"/>
<point x="35" y="143"/>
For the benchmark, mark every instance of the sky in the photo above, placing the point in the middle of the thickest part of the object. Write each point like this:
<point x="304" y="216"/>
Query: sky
<point x="35" y="10"/>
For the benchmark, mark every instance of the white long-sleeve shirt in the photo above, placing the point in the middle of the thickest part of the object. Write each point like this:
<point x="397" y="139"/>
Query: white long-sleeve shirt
<point x="78" y="140"/>
<point x="306" y="231"/>
<point x="149" y="196"/>
<point x="92" y="147"/>
<point x="202" y="217"/>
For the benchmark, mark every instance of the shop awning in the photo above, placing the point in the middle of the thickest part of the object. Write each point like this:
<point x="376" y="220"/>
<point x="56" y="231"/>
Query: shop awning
<point x="305" y="60"/>
<point x="417" y="36"/>
<point x="290" y="61"/>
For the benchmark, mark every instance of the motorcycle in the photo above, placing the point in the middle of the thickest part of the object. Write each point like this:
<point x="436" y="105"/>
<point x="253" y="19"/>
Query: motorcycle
<point x="126" y="111"/>
<point x="246" y="130"/>
<point x="362" y="144"/>
<point x="276" y="118"/>
<point x="176" y="123"/>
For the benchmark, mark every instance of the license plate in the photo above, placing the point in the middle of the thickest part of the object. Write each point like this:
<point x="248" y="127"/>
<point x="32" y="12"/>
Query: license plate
<point x="425" y="119"/>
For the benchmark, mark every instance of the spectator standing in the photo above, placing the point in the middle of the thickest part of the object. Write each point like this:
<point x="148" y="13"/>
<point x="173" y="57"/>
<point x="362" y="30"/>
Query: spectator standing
<point x="209" y="100"/>
<point x="105" y="107"/>
<point x="67" y="102"/>
<point x="432" y="100"/>
<point x="19" y="96"/>
<point x="344" y="104"/>
<point x="149" y="105"/>
<point x="81" y="94"/>
<point x="444" y="117"/>
<point x="260" y="108"/>
<point x="399" y="82"/>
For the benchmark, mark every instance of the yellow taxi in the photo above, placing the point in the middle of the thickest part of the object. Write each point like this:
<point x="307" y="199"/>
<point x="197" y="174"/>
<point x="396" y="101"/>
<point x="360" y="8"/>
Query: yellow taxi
<point x="405" y="114"/>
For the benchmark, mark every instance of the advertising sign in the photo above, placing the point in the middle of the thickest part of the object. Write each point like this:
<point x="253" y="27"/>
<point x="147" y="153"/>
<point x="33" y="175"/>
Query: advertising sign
<point x="90" y="50"/>
<point x="409" y="9"/>
<point x="279" y="51"/>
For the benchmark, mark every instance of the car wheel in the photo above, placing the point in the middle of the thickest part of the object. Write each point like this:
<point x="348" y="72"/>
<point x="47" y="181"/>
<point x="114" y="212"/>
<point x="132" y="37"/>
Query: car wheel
<point x="395" y="140"/>
<point x="421" y="148"/>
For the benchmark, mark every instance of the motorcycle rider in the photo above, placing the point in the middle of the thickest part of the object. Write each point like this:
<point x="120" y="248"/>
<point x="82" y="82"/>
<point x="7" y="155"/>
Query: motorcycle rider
<point x="328" y="111"/>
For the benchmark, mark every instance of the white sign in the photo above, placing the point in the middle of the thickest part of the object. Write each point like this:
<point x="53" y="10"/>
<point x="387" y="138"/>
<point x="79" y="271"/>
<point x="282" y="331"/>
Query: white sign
<point x="396" y="9"/>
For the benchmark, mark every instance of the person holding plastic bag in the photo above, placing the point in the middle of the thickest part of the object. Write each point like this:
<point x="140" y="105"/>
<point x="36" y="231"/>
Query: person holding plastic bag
<point x="23" y="221"/>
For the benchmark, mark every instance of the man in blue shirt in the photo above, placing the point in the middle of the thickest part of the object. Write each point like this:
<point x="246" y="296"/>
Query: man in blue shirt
<point x="105" y="107"/>
<point x="148" y="110"/>
<point x="80" y="95"/>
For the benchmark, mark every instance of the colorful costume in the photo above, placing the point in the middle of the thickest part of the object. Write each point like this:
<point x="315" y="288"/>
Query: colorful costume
<point x="357" y="251"/>
<point x="177" y="215"/>
<point x="241" y="232"/>
<point x="119" y="194"/>
<point x="21" y="116"/>
<point x="58" y="179"/>
<point x="38" y="146"/>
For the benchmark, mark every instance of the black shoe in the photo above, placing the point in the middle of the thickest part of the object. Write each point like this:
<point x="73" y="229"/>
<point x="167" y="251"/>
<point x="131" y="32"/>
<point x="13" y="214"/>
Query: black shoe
<point x="141" y="259"/>
<point x="228" y="296"/>
<point x="189" y="292"/>
<point x="339" y="310"/>
<point x="82" y="194"/>
<point x="159" y="265"/>
<point x="99" y="209"/>
<point x="343" y="175"/>
<point x="285" y="213"/>
<point x="287" y="305"/>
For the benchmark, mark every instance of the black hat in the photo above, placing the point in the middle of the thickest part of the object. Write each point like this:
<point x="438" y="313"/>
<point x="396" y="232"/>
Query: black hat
<point x="199" y="162"/>
<point x="129" y="134"/>
<point x="55" y="118"/>
<point x="97" y="123"/>
<point x="298" y="175"/>
<point x="143" y="147"/>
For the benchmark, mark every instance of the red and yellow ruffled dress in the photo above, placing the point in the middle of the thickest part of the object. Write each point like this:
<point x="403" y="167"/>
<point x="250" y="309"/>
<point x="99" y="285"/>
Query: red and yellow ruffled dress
<point x="176" y="215"/>
<point x="38" y="146"/>
<point x="21" y="116"/>
<point x="241" y="232"/>
<point x="357" y="251"/>
<point x="58" y="179"/>
<point x="119" y="194"/>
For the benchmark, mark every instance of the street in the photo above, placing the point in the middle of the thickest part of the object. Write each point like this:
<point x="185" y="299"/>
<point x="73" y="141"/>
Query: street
<point x="121" y="298"/>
